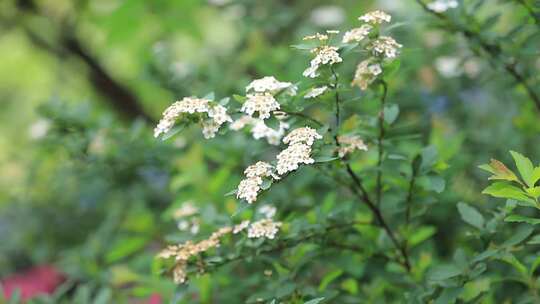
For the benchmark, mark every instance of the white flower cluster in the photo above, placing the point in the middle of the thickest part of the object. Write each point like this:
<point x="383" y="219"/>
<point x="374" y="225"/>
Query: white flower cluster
<point x="299" y="150"/>
<point x="266" y="228"/>
<point x="183" y="252"/>
<point x="357" y="34"/>
<point x="382" y="48"/>
<point x="216" y="115"/>
<point x="260" y="130"/>
<point x="375" y="17"/>
<point x="349" y="144"/>
<point x="182" y="216"/>
<point x="249" y="188"/>
<point x="385" y="46"/>
<point x="366" y="72"/>
<point x="270" y="84"/>
<point x="315" y="92"/>
<point x="324" y="55"/>
<point x="441" y="6"/>
<point x="268" y="211"/>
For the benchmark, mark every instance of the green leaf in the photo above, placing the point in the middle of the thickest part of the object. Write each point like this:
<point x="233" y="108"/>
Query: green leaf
<point x="125" y="247"/>
<point x="232" y="192"/>
<point x="239" y="98"/>
<point x="499" y="171"/>
<point x="329" y="278"/>
<point x="534" y="192"/>
<point x="525" y="167"/>
<point x="519" y="236"/>
<point x="325" y="159"/>
<point x="429" y="158"/>
<point x="522" y="219"/>
<point x="535" y="176"/>
<point x="512" y="260"/>
<point x="391" y="113"/>
<point x="443" y="272"/>
<point x="420" y="235"/>
<point x="272" y="122"/>
<point x="266" y="184"/>
<point x="449" y="295"/>
<point x="535" y="240"/>
<point x="314" y="301"/>
<point x="505" y="190"/>
<point x="470" y="215"/>
<point x="210" y="96"/>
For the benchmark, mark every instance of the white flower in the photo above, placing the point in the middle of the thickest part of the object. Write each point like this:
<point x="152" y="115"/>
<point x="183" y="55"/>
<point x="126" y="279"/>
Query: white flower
<point x="366" y="73"/>
<point x="448" y="66"/>
<point x="324" y="55"/>
<point x="262" y="103"/>
<point x="441" y="6"/>
<point x="316" y="92"/>
<point x="217" y="115"/>
<point x="357" y="34"/>
<point x="349" y="144"/>
<point x="268" y="211"/>
<point x="385" y="46"/>
<point x="249" y="188"/>
<point x="260" y="129"/>
<point x="304" y="135"/>
<point x="270" y="84"/>
<point x="39" y="128"/>
<point x="375" y="17"/>
<point x="240" y="227"/>
<point x="289" y="159"/>
<point x="264" y="228"/>
<point x="317" y="36"/>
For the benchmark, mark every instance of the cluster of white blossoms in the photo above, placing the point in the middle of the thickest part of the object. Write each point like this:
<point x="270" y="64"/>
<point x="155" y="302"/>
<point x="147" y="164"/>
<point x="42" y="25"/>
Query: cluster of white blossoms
<point x="324" y="54"/>
<point x="366" y="72"/>
<point x="357" y="34"/>
<point x="260" y="130"/>
<point x="213" y="115"/>
<point x="299" y="150"/>
<point x="249" y="188"/>
<point x="184" y="218"/>
<point x="349" y="144"/>
<point x="266" y="228"/>
<point x="315" y="92"/>
<point x="382" y="48"/>
<point x="183" y="252"/>
<point x="385" y="46"/>
<point x="375" y="17"/>
<point x="260" y="96"/>
<point x="268" y="211"/>
<point x="441" y="6"/>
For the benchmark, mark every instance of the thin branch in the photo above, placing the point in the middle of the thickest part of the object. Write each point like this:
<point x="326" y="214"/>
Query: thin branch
<point x="492" y="49"/>
<point x="410" y="192"/>
<point x="380" y="145"/>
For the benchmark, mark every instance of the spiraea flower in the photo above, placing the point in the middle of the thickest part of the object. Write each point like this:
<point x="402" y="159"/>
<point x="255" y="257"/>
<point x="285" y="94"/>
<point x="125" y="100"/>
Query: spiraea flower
<point x="249" y="188"/>
<point x="240" y="227"/>
<point x="265" y="228"/>
<point x="304" y="135"/>
<point x="324" y="55"/>
<point x="316" y="92"/>
<point x="289" y="159"/>
<point x="385" y="46"/>
<point x="317" y="36"/>
<point x="357" y="34"/>
<point x="183" y="252"/>
<point x="187" y="209"/>
<point x="216" y="115"/>
<point x="441" y="6"/>
<point x="375" y="17"/>
<point x="349" y="144"/>
<point x="264" y="104"/>
<point x="270" y="84"/>
<point x="366" y="72"/>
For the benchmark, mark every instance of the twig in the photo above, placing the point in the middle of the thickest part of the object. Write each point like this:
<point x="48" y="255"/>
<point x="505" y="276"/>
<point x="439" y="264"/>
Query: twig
<point x="492" y="49"/>
<point x="380" y="146"/>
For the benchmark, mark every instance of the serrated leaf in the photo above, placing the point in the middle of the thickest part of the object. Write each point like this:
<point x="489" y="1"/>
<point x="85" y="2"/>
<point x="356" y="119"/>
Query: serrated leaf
<point x="525" y="167"/>
<point x="505" y="190"/>
<point x="391" y="113"/>
<point x="470" y="215"/>
<point x="522" y="219"/>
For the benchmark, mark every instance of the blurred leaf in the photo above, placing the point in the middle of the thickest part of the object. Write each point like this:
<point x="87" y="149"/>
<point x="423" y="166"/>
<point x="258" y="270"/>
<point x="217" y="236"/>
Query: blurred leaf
<point x="391" y="113"/>
<point x="125" y="247"/>
<point x="470" y="215"/>
<point x="314" y="301"/>
<point x="449" y="295"/>
<point x="443" y="272"/>
<point x="522" y="219"/>
<point x="329" y="278"/>
<point x="421" y="234"/>
<point x="519" y="236"/>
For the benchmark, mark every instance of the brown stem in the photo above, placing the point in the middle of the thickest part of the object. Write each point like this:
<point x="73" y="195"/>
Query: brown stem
<point x="380" y="146"/>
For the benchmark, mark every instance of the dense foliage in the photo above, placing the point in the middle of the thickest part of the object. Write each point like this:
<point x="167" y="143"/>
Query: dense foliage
<point x="312" y="156"/>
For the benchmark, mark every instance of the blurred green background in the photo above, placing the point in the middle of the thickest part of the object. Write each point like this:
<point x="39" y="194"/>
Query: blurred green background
<point x="84" y="184"/>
